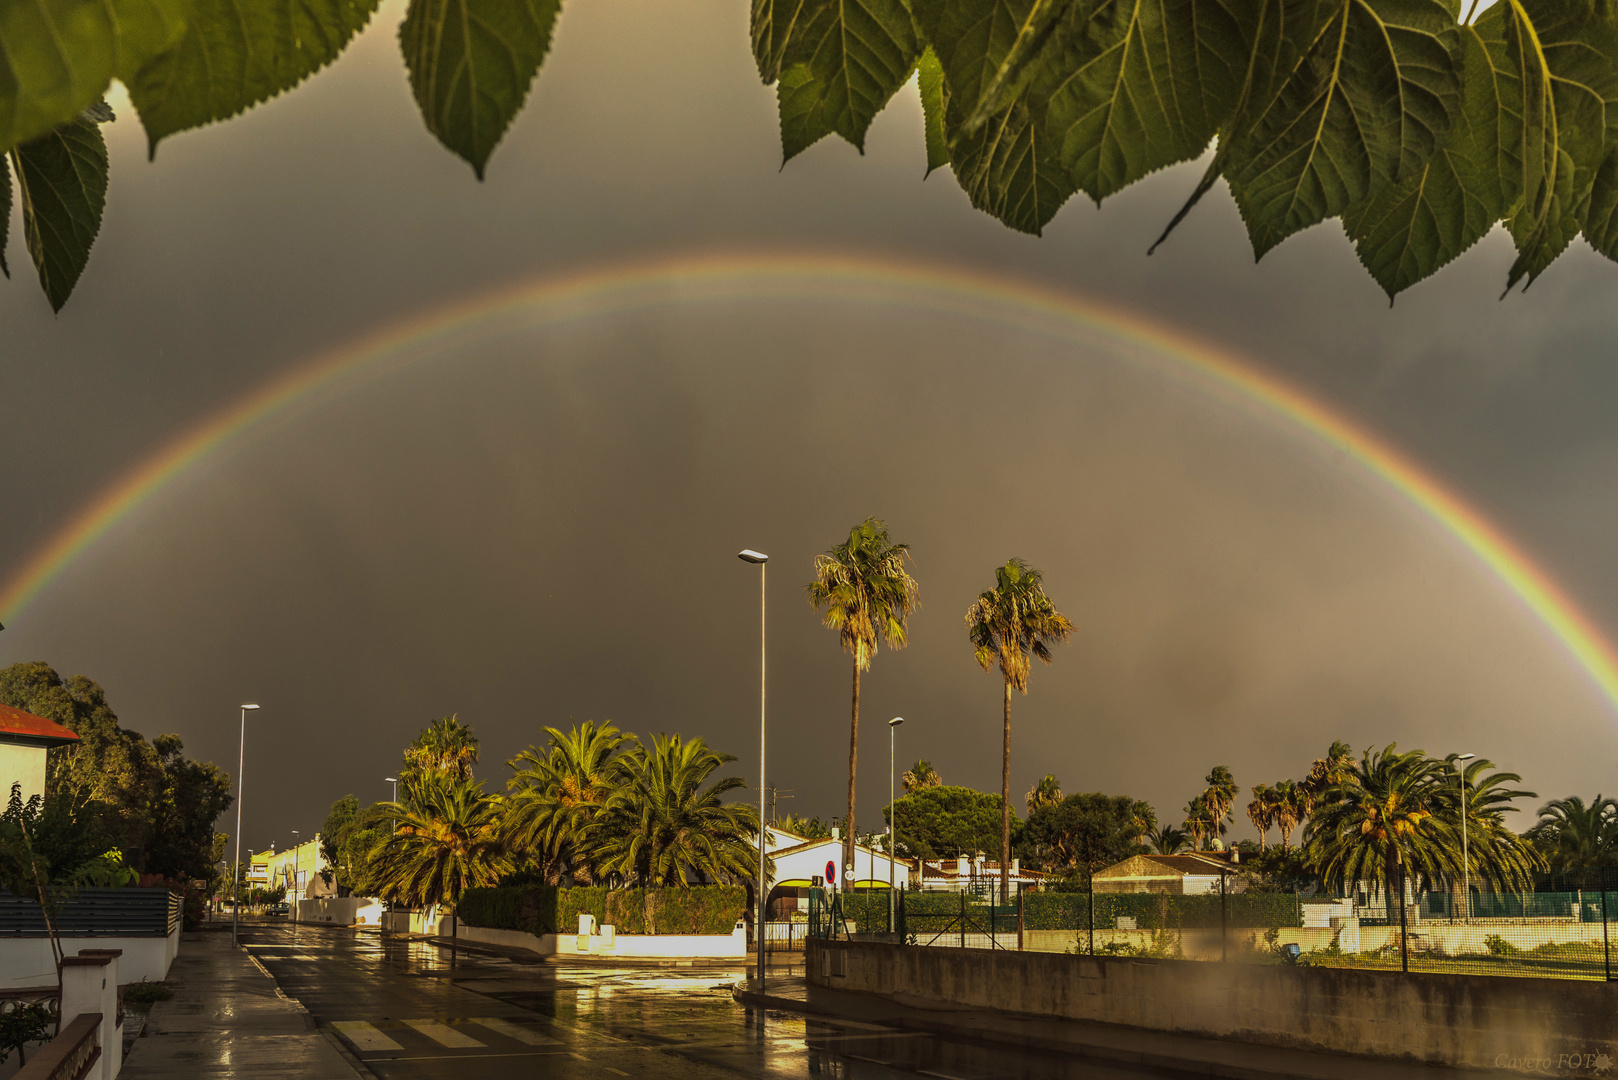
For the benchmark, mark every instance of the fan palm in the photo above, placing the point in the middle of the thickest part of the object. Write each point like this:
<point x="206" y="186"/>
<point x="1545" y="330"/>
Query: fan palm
<point x="557" y="794"/>
<point x="1289" y="805"/>
<point x="1261" y="812"/>
<point x="1381" y="822"/>
<point x="920" y="775"/>
<point x="1220" y="796"/>
<point x="1166" y="839"/>
<point x="1048" y="792"/>
<point x="1573" y="836"/>
<point x="1325" y="773"/>
<point x="1013" y="623"/>
<point x="666" y="824"/>
<point x="867" y="593"/>
<point x="446" y="838"/>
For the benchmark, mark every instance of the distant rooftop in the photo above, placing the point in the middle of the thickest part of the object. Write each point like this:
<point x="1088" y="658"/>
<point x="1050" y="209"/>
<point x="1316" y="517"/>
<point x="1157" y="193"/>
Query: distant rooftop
<point x="17" y="726"/>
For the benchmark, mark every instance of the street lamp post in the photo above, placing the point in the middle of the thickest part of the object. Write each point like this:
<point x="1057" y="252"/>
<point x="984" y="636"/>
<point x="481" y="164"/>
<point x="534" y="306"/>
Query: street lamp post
<point x="1466" y="855"/>
<point x="760" y="559"/>
<point x="893" y="824"/>
<point x="236" y="886"/>
<point x="394" y="780"/>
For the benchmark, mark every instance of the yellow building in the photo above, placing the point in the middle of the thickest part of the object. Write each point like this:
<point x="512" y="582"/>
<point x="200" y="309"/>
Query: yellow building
<point x="297" y="869"/>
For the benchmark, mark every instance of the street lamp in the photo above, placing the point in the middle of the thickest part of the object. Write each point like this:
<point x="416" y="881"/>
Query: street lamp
<point x="236" y="887"/>
<point x="893" y="823"/>
<point x="394" y="780"/>
<point x="1466" y="860"/>
<point x="760" y="559"/>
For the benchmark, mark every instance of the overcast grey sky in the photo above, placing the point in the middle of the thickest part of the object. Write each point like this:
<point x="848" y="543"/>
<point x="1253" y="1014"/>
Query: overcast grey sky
<point x="544" y="525"/>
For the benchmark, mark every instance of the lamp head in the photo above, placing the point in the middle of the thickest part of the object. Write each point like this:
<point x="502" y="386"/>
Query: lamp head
<point x="896" y="721"/>
<point x="749" y="555"/>
<point x="249" y="706"/>
<point x="1464" y="757"/>
<point x="391" y="779"/>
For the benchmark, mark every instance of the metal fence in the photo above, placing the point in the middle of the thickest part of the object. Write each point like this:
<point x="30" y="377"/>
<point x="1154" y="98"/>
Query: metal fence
<point x="1559" y="930"/>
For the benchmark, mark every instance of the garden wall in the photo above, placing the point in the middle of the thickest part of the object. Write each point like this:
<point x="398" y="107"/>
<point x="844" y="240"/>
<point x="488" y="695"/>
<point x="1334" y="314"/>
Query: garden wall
<point x="551" y="909"/>
<point x="1544" y="1025"/>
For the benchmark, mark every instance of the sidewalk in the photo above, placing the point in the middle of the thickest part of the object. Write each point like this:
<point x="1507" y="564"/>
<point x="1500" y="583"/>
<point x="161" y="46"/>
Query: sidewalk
<point x="228" y="1019"/>
<point x="1097" y="1042"/>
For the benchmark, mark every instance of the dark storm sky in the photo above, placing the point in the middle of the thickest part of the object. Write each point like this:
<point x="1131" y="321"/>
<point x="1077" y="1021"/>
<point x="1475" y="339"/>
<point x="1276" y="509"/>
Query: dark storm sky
<point x="544" y="526"/>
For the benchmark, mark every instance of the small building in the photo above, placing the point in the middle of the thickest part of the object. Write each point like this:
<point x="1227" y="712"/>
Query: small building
<point x="297" y="869"/>
<point x="975" y="874"/>
<point x="799" y="861"/>
<point x="1186" y="874"/>
<point x="25" y="740"/>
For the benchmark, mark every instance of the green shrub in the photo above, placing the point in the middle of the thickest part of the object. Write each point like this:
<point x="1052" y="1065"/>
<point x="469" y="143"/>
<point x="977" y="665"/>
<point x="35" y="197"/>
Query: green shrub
<point x="551" y="909"/>
<point x="1499" y="946"/>
<point x="143" y="992"/>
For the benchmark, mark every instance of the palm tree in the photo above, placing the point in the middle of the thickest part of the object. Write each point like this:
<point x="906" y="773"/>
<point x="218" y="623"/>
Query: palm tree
<point x="920" y="775"/>
<point x="1166" y="840"/>
<point x="446" y="838"/>
<point x="1381" y="823"/>
<point x="1048" y="792"/>
<point x="1261" y="812"/>
<point x="1289" y="804"/>
<point x="1324" y="774"/>
<point x="1574" y="836"/>
<point x="863" y="585"/>
<point x="667" y="824"/>
<point x="1197" y="821"/>
<point x="556" y="795"/>
<point x="1492" y="851"/>
<point x="1220" y="796"/>
<point x="446" y="747"/>
<point x="1013" y="623"/>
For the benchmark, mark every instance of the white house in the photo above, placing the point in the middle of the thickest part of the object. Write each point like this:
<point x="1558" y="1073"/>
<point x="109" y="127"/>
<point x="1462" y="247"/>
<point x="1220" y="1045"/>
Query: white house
<point x="24" y="740"/>
<point x="799" y="861"/>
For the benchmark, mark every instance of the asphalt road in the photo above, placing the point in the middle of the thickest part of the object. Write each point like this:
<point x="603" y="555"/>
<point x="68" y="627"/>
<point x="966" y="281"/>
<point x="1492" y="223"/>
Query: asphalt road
<point x="411" y="1011"/>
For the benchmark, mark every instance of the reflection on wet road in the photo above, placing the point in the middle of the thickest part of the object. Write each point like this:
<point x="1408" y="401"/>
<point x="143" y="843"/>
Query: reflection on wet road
<point x="409" y="1010"/>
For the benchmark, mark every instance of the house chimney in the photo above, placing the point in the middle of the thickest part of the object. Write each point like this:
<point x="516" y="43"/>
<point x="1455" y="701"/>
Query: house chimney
<point x="1016" y="867"/>
<point x="978" y="864"/>
<point x="963" y="865"/>
<point x="836" y="833"/>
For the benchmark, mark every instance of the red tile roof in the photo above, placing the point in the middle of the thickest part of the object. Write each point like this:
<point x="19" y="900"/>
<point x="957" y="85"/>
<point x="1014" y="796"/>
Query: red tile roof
<point x="18" y="726"/>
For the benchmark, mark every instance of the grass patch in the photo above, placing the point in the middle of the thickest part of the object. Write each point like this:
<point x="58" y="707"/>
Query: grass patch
<point x="144" y="993"/>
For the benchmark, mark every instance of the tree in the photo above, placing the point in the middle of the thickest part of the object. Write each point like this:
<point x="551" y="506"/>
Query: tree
<point x="1289" y="805"/>
<point x="1326" y="772"/>
<point x="1048" y="792"/>
<point x="446" y="838"/>
<point x="1198" y="822"/>
<point x="920" y="775"/>
<point x="808" y="828"/>
<point x="1571" y="835"/>
<point x="191" y="795"/>
<point x="557" y="794"/>
<point x="1220" y="796"/>
<point x="1492" y="850"/>
<point x="1261" y="812"/>
<point x="1091" y="830"/>
<point x="336" y="832"/>
<point x="1011" y="624"/>
<point x="668" y="824"/>
<point x="1166" y="840"/>
<point x="947" y="821"/>
<point x="867" y="594"/>
<point x="446" y="747"/>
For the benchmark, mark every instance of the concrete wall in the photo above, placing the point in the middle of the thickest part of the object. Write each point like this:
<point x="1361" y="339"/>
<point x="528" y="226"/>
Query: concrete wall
<point x="620" y="946"/>
<point x="27" y="961"/>
<point x="343" y="911"/>
<point x="24" y="765"/>
<point x="1547" y="1025"/>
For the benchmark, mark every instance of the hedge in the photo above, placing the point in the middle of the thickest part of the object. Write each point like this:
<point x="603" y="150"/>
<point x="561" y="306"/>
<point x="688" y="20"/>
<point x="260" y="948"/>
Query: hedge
<point x="552" y="909"/>
<point x="1070" y="911"/>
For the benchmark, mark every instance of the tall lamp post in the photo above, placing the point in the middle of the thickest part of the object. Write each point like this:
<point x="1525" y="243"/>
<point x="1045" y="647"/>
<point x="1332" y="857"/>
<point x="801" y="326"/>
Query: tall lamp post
<point x="759" y="558"/>
<point x="1466" y="855"/>
<point x="236" y="884"/>
<point x="394" y="780"/>
<point x="893" y="824"/>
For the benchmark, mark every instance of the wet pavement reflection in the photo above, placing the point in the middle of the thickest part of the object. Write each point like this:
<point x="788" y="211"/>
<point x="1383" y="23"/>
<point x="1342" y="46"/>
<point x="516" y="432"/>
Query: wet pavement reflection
<point x="409" y="1009"/>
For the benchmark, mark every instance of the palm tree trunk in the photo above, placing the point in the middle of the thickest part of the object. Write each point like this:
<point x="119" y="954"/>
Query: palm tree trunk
<point x="853" y="762"/>
<point x="1005" y="803"/>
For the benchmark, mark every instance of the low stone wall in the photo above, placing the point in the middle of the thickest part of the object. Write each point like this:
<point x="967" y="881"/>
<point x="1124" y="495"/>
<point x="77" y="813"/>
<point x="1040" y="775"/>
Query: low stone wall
<point x="623" y="946"/>
<point x="1552" y="1026"/>
<point x="29" y="961"/>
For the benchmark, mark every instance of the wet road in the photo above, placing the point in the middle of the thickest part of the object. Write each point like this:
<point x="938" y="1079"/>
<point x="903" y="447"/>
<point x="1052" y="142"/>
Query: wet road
<point x="409" y="1011"/>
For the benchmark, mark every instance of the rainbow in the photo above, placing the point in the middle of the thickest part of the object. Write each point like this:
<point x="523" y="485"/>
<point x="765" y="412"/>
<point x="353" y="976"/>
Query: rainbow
<point x="857" y="279"/>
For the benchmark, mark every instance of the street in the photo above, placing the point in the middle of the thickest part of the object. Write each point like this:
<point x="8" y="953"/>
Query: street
<point x="412" y="1011"/>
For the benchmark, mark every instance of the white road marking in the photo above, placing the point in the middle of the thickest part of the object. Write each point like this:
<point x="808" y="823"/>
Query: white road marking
<point x="444" y="1035"/>
<point x="365" y="1036"/>
<point x="514" y="1031"/>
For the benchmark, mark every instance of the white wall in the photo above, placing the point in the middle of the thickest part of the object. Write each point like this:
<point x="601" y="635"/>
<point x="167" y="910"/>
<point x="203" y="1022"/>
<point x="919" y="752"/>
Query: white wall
<point x="24" y="764"/>
<point x="630" y="946"/>
<point x="27" y="961"/>
<point x="344" y="911"/>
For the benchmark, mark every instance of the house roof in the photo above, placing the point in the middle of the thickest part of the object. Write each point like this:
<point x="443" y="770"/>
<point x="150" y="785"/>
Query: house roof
<point x="17" y="726"/>
<point x="1166" y="866"/>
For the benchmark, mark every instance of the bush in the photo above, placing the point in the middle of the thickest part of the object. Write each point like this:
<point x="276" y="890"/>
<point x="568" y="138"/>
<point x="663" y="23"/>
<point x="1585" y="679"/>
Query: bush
<point x="551" y="909"/>
<point x="144" y="993"/>
<point x="1157" y="911"/>
<point x="1499" y="946"/>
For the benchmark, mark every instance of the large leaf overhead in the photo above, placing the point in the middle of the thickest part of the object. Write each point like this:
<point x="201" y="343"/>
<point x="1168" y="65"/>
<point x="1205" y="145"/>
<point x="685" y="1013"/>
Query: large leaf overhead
<point x="471" y="63"/>
<point x="62" y="185"/>
<point x="57" y="56"/>
<point x="237" y="53"/>
<point x="934" y="102"/>
<point x="842" y="62"/>
<point x="1369" y="102"/>
<point x="1008" y="167"/>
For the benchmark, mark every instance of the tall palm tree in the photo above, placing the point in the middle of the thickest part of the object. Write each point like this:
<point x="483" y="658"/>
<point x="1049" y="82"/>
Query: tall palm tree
<point x="1013" y="623"/>
<point x="1261" y="812"/>
<point x="867" y="593"/>
<point x="557" y="793"/>
<point x="1197" y="823"/>
<point x="1381" y="823"/>
<point x="1220" y="796"/>
<point x="446" y="838"/>
<point x="1048" y="792"/>
<point x="1289" y="805"/>
<point x="1324" y="774"/>
<point x="1495" y="852"/>
<point x="667" y="823"/>
<point x="1572" y="835"/>
<point x="920" y="775"/>
<point x="445" y="747"/>
<point x="1166" y="840"/>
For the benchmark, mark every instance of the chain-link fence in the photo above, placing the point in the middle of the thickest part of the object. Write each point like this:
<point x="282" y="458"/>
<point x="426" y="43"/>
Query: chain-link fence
<point x="1558" y="930"/>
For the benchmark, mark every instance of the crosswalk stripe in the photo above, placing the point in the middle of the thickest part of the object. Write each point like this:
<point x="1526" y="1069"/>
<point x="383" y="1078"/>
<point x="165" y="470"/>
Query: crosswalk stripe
<point x="514" y="1031"/>
<point x="365" y="1036"/>
<point x="444" y="1035"/>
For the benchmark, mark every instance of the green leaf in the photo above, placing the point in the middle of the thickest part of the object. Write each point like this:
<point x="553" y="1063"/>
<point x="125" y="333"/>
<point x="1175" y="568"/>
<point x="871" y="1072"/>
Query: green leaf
<point x="773" y="24"/>
<point x="844" y="61"/>
<point x="934" y="102"/>
<point x="1601" y="218"/>
<point x="1008" y="167"/>
<point x="471" y="63"/>
<point x="987" y="48"/>
<point x="58" y="56"/>
<point x="1372" y="100"/>
<point x="62" y="182"/>
<point x="1564" y="53"/>
<point x="235" y="54"/>
<point x="5" y="212"/>
<point x="1144" y="84"/>
<point x="1405" y="232"/>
